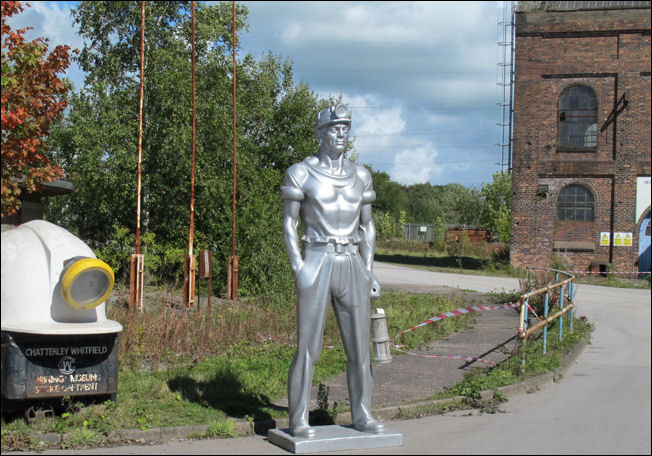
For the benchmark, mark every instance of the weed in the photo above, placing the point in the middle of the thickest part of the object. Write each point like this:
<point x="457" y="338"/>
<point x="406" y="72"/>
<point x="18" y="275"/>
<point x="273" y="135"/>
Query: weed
<point x="60" y="423"/>
<point x="17" y="437"/>
<point x="504" y="296"/>
<point x="500" y="397"/>
<point x="323" y="414"/>
<point x="536" y="280"/>
<point x="223" y="429"/>
<point x="81" y="436"/>
<point x="561" y="262"/>
<point x="427" y="410"/>
<point x="142" y="418"/>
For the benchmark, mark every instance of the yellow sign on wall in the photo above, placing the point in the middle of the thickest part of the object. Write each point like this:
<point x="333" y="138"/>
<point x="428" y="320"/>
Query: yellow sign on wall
<point x="628" y="239"/>
<point x="618" y="239"/>
<point x="605" y="238"/>
<point x="623" y="239"/>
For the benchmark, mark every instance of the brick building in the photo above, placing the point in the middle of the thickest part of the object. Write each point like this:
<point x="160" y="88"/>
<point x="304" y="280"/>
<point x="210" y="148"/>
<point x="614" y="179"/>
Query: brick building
<point x="581" y="151"/>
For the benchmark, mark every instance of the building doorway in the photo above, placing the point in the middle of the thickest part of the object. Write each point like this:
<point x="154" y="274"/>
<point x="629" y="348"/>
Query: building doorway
<point x="644" y="245"/>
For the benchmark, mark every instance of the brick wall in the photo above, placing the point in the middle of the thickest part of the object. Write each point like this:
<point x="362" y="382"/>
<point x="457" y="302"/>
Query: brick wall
<point x="608" y="51"/>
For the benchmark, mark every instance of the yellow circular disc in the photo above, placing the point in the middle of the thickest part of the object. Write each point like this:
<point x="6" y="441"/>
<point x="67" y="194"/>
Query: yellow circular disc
<point x="87" y="283"/>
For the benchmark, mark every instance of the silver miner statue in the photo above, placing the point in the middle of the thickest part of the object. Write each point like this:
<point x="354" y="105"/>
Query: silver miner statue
<point x="333" y="197"/>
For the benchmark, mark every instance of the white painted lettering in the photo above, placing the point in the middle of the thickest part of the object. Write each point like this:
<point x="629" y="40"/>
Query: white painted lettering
<point x="47" y="351"/>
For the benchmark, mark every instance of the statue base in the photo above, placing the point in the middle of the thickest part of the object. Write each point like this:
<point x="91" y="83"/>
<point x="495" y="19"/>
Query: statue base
<point x="334" y="438"/>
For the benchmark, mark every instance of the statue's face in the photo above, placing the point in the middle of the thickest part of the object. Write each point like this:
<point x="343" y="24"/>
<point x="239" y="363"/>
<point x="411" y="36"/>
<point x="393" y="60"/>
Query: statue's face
<point x="335" y="137"/>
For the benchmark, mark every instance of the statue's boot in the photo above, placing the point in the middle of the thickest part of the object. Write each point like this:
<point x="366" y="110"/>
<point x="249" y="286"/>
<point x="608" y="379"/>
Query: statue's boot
<point x="370" y="425"/>
<point x="303" y="431"/>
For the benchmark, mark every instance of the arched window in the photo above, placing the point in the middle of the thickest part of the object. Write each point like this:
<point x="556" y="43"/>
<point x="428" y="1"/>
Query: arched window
<point x="578" y="119"/>
<point x="575" y="203"/>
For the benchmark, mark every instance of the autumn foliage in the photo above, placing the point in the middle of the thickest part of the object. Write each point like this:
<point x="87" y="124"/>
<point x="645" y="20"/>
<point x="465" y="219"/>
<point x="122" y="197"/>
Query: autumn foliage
<point x="31" y="101"/>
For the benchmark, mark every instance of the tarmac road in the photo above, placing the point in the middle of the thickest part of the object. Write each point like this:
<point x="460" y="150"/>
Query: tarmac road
<point x="602" y="406"/>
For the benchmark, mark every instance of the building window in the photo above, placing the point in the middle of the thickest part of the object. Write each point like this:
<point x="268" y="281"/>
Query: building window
<point x="578" y="119"/>
<point x="575" y="203"/>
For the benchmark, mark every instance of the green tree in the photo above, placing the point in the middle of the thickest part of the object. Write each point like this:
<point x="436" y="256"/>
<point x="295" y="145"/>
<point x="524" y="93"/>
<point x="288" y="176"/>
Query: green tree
<point x="439" y="231"/>
<point x="497" y="205"/>
<point x="97" y="141"/>
<point x="422" y="204"/>
<point x="387" y="226"/>
<point x="391" y="197"/>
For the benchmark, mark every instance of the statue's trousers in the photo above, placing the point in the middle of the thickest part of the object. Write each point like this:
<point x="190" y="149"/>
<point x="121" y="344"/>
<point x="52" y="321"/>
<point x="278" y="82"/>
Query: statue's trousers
<point x="342" y="278"/>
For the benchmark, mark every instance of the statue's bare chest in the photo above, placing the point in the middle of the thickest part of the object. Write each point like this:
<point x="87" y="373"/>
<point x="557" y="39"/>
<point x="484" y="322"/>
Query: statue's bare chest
<point x="326" y="190"/>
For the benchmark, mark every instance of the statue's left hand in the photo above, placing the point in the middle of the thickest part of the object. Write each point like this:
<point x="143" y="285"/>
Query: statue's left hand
<point x="375" y="286"/>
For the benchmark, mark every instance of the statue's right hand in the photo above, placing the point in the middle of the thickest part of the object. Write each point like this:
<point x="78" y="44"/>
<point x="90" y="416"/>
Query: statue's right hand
<point x="296" y="269"/>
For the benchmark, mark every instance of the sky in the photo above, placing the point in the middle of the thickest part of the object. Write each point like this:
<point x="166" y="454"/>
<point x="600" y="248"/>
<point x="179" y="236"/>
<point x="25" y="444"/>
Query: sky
<point x="421" y="78"/>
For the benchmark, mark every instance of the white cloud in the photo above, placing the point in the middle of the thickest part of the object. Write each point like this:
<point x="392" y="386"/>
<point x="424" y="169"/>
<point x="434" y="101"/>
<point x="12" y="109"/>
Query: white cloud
<point x="416" y="51"/>
<point x="376" y="127"/>
<point x="293" y="32"/>
<point x="389" y="22"/>
<point x="372" y="120"/>
<point x="49" y="20"/>
<point x="416" y="165"/>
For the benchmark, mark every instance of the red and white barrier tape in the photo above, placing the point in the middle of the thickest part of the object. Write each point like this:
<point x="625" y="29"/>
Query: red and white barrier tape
<point x="535" y="314"/>
<point x="453" y="313"/>
<point x="607" y="272"/>
<point x="461" y="311"/>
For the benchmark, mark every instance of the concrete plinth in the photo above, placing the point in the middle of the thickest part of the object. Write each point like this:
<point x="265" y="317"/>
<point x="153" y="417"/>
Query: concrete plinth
<point x="334" y="438"/>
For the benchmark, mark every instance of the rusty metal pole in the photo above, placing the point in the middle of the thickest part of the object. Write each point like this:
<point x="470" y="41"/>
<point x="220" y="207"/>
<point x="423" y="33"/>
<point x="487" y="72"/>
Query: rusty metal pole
<point x="205" y="272"/>
<point x="140" y="122"/>
<point x="232" y="276"/>
<point x="189" y="281"/>
<point x="138" y="260"/>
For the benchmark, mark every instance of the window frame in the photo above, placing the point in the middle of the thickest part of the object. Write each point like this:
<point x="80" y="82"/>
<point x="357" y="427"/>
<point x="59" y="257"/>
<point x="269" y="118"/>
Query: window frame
<point x="591" y="128"/>
<point x="575" y="205"/>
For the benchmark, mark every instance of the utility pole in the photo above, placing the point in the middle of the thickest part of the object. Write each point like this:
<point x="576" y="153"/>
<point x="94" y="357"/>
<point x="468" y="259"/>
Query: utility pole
<point x="232" y="276"/>
<point x="189" y="263"/>
<point x="138" y="259"/>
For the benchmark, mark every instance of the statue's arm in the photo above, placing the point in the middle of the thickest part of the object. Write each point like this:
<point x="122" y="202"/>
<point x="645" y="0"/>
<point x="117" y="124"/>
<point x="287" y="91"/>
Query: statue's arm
<point x="368" y="232"/>
<point x="367" y="236"/>
<point x="293" y="196"/>
<point x="290" y="234"/>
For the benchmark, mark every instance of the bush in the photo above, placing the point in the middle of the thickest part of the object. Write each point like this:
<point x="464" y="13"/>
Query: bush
<point x="163" y="262"/>
<point x="537" y="280"/>
<point x="501" y="254"/>
<point x="386" y="225"/>
<point x="560" y="262"/>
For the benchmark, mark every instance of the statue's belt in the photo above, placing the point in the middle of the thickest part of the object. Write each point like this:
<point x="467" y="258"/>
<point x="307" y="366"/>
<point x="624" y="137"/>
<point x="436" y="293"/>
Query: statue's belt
<point x="330" y="240"/>
<point x="331" y="244"/>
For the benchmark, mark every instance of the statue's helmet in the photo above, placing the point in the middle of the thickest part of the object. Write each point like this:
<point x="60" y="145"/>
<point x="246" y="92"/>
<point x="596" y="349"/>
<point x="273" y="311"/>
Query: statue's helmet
<point x="334" y="114"/>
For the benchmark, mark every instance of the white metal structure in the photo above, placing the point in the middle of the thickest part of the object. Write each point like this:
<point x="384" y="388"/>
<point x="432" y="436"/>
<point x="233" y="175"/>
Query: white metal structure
<point x="52" y="283"/>
<point x="506" y="64"/>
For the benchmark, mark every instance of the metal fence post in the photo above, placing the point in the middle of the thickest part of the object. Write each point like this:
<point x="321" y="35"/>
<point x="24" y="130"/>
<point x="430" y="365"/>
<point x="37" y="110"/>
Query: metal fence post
<point x="561" y="307"/>
<point x="545" y="316"/>
<point x="524" y="344"/>
<point x="570" y="298"/>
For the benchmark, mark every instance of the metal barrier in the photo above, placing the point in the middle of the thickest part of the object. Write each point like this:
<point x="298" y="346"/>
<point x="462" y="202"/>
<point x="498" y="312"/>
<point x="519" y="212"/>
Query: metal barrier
<point x="564" y="304"/>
